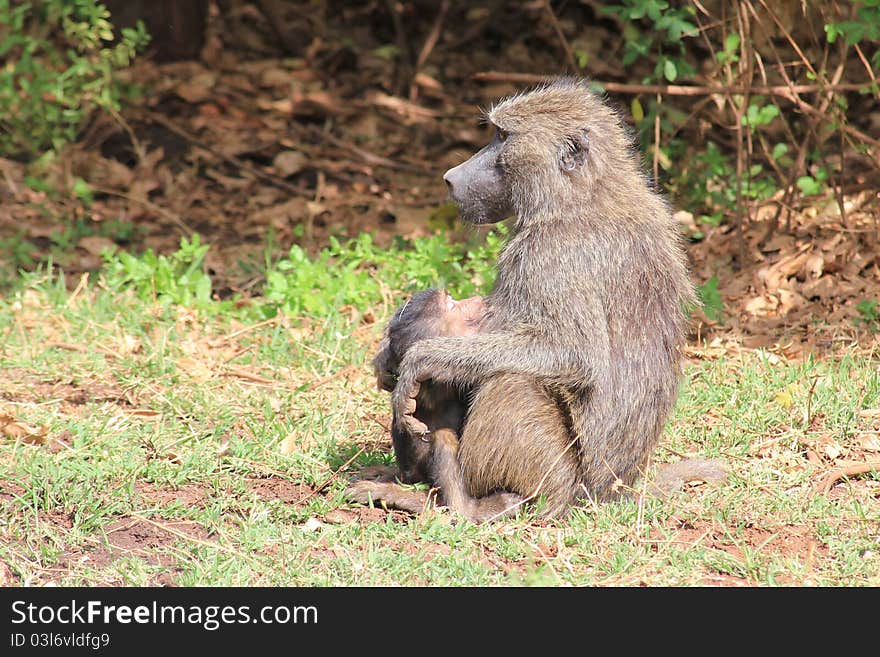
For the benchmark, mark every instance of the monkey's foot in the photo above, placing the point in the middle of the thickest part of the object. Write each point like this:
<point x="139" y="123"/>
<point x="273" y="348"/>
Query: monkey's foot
<point x="387" y="494"/>
<point x="672" y="477"/>
<point x="493" y="507"/>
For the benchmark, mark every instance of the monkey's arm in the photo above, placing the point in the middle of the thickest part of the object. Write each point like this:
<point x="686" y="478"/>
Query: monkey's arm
<point x="472" y="359"/>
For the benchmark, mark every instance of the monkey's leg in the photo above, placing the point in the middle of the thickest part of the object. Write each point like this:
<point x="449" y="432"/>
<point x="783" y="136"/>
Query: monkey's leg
<point x="446" y="473"/>
<point x="516" y="439"/>
<point x="672" y="477"/>
<point x="388" y="494"/>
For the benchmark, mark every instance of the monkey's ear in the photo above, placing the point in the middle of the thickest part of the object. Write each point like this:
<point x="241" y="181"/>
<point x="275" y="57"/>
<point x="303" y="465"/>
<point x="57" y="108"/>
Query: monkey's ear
<point x="382" y="366"/>
<point x="574" y="151"/>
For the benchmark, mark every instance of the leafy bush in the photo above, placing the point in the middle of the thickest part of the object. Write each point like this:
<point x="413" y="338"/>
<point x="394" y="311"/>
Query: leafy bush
<point x="663" y="42"/>
<point x="176" y="279"/>
<point x="59" y="65"/>
<point x="741" y="68"/>
<point x="355" y="272"/>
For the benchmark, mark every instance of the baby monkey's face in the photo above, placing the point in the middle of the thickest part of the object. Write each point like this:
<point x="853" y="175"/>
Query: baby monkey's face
<point x="463" y="317"/>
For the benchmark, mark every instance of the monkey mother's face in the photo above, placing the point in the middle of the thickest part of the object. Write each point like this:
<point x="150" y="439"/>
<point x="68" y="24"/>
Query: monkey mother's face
<point x="479" y="188"/>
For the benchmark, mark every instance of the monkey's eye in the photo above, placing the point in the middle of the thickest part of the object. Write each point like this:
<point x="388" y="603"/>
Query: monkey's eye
<point x="501" y="135"/>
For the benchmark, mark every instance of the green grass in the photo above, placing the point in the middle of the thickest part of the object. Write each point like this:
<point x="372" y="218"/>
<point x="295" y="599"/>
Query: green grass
<point x="143" y="443"/>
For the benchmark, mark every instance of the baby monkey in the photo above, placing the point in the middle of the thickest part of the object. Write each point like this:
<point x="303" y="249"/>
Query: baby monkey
<point x="442" y="407"/>
<point x="432" y="458"/>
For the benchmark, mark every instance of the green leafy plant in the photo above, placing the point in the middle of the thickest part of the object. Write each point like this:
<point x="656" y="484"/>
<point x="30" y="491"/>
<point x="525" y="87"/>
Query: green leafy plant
<point x="869" y="314"/>
<point x="663" y="40"/>
<point x="709" y="182"/>
<point x="866" y="27"/>
<point x="813" y="184"/>
<point x="176" y="279"/>
<point x="713" y="307"/>
<point x="348" y="273"/>
<point x="759" y="115"/>
<point x="353" y="273"/>
<point x="59" y="63"/>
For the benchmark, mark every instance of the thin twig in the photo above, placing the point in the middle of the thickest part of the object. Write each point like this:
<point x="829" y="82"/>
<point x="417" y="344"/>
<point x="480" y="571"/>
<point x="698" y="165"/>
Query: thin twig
<point x="139" y="150"/>
<point x="192" y="539"/>
<point x="67" y="346"/>
<point x="248" y="329"/>
<point x="569" y="56"/>
<point x="678" y="89"/>
<point x="847" y="471"/>
<point x="428" y="46"/>
<point x="250" y="376"/>
<point x="83" y="280"/>
<point x="332" y="477"/>
<point x="657" y="141"/>
<point x="790" y="40"/>
<point x="740" y="110"/>
<point x="868" y="68"/>
<point x="327" y="379"/>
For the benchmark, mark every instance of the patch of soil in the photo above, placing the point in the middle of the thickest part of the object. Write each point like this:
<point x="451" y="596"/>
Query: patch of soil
<point x="22" y="386"/>
<point x="9" y="490"/>
<point x="73" y="560"/>
<point x="193" y="495"/>
<point x="365" y="514"/>
<point x="57" y="519"/>
<point x="792" y="541"/>
<point x="280" y="489"/>
<point x="131" y="535"/>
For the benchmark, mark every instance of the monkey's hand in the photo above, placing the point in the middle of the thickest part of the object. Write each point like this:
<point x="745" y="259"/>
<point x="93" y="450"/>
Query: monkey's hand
<point x="403" y="403"/>
<point x="383" y="366"/>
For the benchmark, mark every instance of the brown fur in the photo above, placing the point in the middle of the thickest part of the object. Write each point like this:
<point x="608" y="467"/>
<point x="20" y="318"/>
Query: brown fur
<point x="588" y="303"/>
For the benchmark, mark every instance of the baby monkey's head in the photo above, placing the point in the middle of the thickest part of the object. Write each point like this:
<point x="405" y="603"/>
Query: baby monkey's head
<point x="433" y="313"/>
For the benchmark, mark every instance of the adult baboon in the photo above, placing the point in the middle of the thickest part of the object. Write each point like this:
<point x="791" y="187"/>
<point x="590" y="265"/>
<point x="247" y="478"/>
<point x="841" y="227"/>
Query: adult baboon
<point x="588" y="302"/>
<point x="534" y="455"/>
